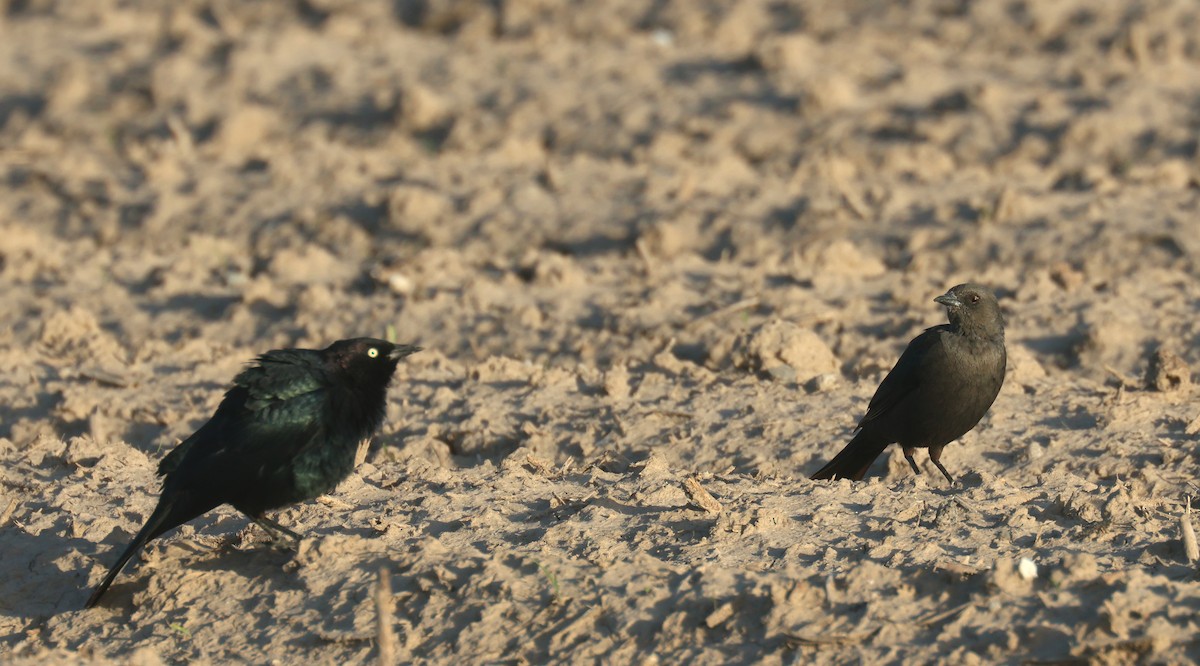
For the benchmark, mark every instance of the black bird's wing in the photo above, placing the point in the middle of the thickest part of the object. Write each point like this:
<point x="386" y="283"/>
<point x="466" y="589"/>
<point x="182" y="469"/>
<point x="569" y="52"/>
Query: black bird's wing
<point x="282" y="375"/>
<point x="279" y="399"/>
<point x="284" y="409"/>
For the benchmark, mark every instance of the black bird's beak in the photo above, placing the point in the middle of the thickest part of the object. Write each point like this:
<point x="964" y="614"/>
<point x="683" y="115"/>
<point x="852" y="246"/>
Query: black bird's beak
<point x="949" y="300"/>
<point x="400" y="351"/>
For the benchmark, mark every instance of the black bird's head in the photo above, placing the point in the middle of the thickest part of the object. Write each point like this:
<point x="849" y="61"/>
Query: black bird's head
<point x="367" y="359"/>
<point x="974" y="310"/>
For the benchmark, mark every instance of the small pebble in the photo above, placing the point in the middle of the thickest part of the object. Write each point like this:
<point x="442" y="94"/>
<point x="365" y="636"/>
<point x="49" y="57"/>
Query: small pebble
<point x="1027" y="568"/>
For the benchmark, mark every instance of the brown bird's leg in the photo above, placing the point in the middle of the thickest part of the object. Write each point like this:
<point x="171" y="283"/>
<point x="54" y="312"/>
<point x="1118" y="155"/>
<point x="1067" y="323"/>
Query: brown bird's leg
<point x="908" y="455"/>
<point x="935" y="454"/>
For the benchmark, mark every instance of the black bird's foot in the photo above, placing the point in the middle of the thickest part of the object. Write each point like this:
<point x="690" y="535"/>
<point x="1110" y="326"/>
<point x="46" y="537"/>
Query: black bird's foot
<point x="281" y="537"/>
<point x="908" y="455"/>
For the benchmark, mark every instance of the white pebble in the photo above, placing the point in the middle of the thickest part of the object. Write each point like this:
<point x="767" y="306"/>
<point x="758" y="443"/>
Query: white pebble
<point x="400" y="283"/>
<point x="1027" y="568"/>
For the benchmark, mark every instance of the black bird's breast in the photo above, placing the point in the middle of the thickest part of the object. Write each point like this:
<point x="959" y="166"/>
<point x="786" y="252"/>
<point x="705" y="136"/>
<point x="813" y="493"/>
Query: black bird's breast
<point x="349" y="417"/>
<point x="328" y="428"/>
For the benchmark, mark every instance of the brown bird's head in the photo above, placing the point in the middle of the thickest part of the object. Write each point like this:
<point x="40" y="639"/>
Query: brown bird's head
<point x="367" y="358"/>
<point x="973" y="309"/>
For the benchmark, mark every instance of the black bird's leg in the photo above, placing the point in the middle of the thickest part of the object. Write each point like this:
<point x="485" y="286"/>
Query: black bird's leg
<point x="908" y="455"/>
<point x="935" y="454"/>
<point x="277" y="532"/>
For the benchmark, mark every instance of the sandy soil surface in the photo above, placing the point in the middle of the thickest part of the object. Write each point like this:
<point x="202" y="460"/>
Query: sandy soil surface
<point x="648" y="246"/>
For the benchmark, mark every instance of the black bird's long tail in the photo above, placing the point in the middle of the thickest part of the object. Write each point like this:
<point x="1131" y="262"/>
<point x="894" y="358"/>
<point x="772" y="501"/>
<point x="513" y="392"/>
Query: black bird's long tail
<point x="854" y="460"/>
<point x="166" y="515"/>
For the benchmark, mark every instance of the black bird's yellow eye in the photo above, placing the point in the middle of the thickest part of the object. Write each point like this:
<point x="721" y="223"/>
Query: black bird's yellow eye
<point x="373" y="352"/>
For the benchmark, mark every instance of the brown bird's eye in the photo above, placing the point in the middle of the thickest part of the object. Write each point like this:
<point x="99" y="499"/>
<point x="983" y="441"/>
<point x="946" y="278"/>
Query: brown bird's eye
<point x="372" y="352"/>
<point x="974" y="298"/>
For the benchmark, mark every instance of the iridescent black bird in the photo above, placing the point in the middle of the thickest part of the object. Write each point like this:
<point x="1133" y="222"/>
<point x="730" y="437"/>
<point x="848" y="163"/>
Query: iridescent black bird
<point x="287" y="431"/>
<point x="944" y="382"/>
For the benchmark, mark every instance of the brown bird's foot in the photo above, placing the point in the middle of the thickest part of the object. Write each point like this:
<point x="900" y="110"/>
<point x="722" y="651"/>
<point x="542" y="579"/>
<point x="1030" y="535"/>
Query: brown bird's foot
<point x="281" y="536"/>
<point x="908" y="455"/>
<point x="935" y="456"/>
<point x="946" y="474"/>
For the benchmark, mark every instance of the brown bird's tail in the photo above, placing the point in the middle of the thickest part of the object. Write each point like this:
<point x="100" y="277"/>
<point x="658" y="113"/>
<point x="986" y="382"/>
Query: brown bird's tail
<point x="169" y="513"/>
<point x="854" y="460"/>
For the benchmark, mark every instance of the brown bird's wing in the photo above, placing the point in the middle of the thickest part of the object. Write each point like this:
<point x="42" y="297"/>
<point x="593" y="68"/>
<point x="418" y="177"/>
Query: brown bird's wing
<point x="900" y="383"/>
<point x="905" y="376"/>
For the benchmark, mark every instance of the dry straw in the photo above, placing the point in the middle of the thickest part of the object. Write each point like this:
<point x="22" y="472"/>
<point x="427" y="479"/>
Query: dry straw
<point x="1189" y="535"/>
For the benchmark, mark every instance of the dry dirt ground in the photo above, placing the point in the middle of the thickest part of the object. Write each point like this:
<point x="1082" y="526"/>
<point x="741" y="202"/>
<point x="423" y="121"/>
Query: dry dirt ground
<point x="643" y="242"/>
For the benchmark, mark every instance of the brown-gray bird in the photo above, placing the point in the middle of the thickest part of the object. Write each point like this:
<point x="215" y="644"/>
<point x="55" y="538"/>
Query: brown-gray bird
<point x="944" y="382"/>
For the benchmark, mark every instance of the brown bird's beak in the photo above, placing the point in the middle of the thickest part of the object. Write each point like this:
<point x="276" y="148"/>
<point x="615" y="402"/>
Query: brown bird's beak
<point x="949" y="300"/>
<point x="400" y="351"/>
